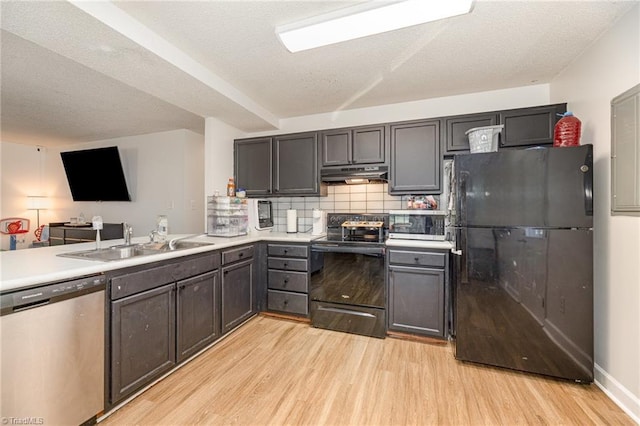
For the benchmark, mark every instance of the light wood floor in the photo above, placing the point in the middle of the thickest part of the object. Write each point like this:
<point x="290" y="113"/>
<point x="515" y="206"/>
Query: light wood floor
<point x="280" y="372"/>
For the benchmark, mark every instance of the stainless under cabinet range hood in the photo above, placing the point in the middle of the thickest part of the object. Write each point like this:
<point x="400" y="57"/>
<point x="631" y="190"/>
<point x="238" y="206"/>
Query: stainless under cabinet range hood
<point x="354" y="175"/>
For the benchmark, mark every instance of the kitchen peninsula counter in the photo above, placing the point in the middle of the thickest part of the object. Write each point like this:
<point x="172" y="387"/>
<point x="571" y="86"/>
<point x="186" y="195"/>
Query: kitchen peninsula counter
<point x="36" y="266"/>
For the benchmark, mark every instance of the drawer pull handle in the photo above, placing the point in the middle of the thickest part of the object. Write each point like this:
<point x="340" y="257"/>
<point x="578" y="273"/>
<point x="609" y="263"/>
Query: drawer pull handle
<point x="417" y="259"/>
<point x="241" y="254"/>
<point x="285" y="265"/>
<point x="285" y="251"/>
<point x="286" y="302"/>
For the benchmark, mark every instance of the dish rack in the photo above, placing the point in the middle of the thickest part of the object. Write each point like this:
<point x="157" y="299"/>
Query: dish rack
<point x="227" y="216"/>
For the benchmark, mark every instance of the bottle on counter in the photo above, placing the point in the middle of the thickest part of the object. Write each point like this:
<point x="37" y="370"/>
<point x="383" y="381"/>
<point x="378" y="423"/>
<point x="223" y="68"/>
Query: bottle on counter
<point x="231" y="188"/>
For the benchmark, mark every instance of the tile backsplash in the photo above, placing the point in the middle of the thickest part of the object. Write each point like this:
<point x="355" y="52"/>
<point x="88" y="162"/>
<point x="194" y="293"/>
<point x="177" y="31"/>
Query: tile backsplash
<point x="365" y="198"/>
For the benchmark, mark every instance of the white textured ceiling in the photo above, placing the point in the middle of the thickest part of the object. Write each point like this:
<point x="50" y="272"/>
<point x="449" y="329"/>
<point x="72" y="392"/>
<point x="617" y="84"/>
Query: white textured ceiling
<point x="83" y="71"/>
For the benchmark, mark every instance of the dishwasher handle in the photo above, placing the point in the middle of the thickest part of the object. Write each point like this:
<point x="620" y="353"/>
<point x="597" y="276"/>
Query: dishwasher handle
<point x="22" y="300"/>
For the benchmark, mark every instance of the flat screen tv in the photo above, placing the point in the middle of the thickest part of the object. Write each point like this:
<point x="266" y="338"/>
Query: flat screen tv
<point x="95" y="174"/>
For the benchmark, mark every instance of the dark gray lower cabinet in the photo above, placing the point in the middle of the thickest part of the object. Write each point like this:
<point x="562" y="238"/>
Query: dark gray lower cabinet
<point x="417" y="292"/>
<point x="288" y="278"/>
<point x="197" y="315"/>
<point x="160" y="315"/>
<point x="237" y="288"/>
<point x="142" y="339"/>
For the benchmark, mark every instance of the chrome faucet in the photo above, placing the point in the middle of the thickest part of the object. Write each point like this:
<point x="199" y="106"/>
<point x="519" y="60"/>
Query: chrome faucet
<point x="127" y="230"/>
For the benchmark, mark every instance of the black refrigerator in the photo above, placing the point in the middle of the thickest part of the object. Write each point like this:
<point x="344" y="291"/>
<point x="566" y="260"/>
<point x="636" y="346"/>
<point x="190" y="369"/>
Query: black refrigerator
<point x="524" y="270"/>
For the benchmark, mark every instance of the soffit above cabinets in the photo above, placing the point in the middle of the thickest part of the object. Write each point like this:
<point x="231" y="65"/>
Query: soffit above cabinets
<point x="98" y="70"/>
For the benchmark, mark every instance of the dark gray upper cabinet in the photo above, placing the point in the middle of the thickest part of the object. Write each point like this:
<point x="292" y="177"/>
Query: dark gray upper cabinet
<point x="280" y="165"/>
<point x="456" y="139"/>
<point x="252" y="165"/>
<point x="522" y="127"/>
<point x="529" y="126"/>
<point x="296" y="164"/>
<point x="415" y="157"/>
<point x="360" y="145"/>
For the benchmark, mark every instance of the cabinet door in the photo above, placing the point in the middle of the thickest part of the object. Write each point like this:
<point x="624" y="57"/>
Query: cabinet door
<point x="415" y="158"/>
<point x="368" y="145"/>
<point x="252" y="165"/>
<point x="456" y="139"/>
<point x="336" y="147"/>
<point x="416" y="300"/>
<point x="529" y="126"/>
<point x="197" y="314"/>
<point x="237" y="294"/>
<point x="296" y="164"/>
<point x="142" y="339"/>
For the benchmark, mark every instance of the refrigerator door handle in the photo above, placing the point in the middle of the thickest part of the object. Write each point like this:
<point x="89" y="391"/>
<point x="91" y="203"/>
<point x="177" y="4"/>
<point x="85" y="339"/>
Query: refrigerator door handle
<point x="462" y="197"/>
<point x="587" y="170"/>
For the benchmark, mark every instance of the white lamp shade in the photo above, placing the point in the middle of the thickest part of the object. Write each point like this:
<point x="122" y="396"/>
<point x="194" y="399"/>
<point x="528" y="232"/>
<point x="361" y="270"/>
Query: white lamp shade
<point x="35" y="202"/>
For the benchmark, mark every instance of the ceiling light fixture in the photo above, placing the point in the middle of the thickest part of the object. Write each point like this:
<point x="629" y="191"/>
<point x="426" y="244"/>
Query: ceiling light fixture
<point x="365" y="19"/>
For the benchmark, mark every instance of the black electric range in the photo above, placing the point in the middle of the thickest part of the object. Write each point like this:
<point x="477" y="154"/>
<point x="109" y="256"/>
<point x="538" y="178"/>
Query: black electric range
<point x="348" y="288"/>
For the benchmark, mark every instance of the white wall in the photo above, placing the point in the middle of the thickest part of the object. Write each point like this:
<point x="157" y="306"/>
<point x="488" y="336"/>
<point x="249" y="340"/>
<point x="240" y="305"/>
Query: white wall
<point x="429" y="108"/>
<point x="608" y="68"/>
<point x="218" y="155"/>
<point x="164" y="173"/>
<point x="23" y="172"/>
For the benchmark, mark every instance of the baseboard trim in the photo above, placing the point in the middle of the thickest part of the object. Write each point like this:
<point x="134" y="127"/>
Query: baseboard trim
<point x="619" y="394"/>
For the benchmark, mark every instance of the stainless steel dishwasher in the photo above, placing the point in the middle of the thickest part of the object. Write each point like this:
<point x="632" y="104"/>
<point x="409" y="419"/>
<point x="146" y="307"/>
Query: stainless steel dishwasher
<point x="52" y="357"/>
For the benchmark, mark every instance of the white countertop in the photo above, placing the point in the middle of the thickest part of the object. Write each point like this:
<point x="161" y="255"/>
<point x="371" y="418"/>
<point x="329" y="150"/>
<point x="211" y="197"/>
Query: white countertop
<point x="34" y="266"/>
<point x="31" y="267"/>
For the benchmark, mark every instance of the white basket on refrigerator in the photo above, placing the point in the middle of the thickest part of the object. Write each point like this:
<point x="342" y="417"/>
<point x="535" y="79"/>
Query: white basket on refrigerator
<point x="484" y="139"/>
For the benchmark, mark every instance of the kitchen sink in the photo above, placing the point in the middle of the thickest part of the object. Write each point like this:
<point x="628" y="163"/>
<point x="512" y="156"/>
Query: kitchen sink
<point x="133" y="250"/>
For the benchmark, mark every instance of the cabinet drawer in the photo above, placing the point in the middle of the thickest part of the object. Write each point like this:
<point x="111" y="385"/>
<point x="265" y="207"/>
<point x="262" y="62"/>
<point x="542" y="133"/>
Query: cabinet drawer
<point x="87" y="234"/>
<point x="234" y="255"/>
<point x="417" y="258"/>
<point x="287" y="251"/>
<point x="55" y="241"/>
<point x="288" y="264"/>
<point x="56" y="232"/>
<point x="136" y="282"/>
<point x="195" y="266"/>
<point x="295" y="303"/>
<point x="291" y="281"/>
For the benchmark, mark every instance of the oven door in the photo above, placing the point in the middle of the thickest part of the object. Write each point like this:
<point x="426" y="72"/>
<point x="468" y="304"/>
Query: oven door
<point x="348" y="290"/>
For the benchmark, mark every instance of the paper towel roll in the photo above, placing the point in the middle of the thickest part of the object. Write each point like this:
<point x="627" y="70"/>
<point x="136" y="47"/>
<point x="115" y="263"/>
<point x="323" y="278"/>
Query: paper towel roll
<point x="292" y="221"/>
